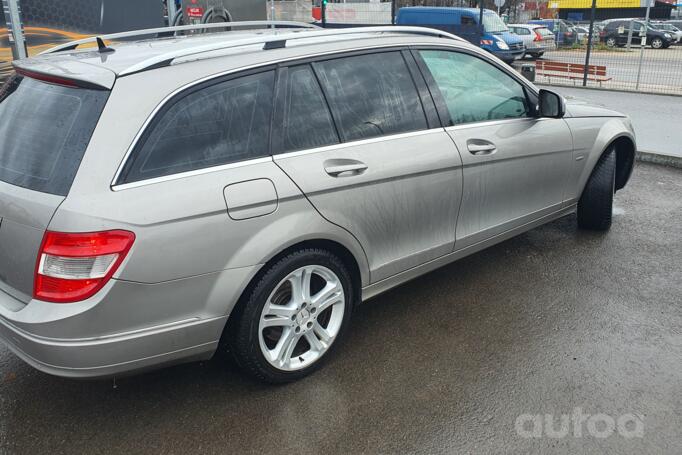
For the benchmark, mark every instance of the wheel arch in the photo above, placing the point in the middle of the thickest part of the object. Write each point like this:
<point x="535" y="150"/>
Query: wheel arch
<point x="625" y="159"/>
<point x="333" y="246"/>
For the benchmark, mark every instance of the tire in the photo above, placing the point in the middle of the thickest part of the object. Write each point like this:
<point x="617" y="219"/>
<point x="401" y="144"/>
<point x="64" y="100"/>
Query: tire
<point x="611" y="41"/>
<point x="595" y="206"/>
<point x="656" y="43"/>
<point x="271" y="343"/>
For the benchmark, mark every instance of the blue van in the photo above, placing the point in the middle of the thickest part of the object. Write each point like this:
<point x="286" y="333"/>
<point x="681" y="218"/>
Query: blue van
<point x="464" y="22"/>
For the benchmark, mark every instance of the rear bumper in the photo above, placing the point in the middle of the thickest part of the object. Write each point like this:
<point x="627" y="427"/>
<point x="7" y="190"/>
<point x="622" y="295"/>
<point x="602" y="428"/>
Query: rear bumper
<point x="110" y="356"/>
<point x="126" y="327"/>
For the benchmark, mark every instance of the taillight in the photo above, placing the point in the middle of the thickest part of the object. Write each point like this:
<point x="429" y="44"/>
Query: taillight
<point x="538" y="37"/>
<point x="74" y="266"/>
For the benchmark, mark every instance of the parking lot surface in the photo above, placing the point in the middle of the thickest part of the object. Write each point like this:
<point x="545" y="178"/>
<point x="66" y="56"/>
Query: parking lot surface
<point x="555" y="321"/>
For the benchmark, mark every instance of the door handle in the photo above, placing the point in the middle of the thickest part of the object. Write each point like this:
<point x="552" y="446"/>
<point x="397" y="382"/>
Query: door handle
<point x="482" y="149"/>
<point x="344" y="168"/>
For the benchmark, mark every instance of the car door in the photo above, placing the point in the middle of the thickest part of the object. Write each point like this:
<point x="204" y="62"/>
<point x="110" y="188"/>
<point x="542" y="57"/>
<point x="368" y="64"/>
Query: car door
<point x="368" y="152"/>
<point x="515" y="165"/>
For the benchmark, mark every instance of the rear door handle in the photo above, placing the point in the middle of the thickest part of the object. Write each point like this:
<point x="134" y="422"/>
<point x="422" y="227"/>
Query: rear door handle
<point x="344" y="168"/>
<point x="481" y="149"/>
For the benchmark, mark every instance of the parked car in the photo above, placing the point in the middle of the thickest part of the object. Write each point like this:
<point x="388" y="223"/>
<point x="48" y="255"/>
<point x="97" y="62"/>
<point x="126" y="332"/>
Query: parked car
<point x="536" y="38"/>
<point x="616" y="33"/>
<point x="464" y="22"/>
<point x="676" y="23"/>
<point x="670" y="28"/>
<point x="583" y="34"/>
<point x="564" y="34"/>
<point x="183" y="195"/>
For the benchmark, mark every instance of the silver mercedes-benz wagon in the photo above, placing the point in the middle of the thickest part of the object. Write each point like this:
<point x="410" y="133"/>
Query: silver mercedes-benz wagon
<point x="164" y="196"/>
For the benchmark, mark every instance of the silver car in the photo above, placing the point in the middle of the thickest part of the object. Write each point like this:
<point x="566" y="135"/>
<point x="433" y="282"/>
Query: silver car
<point x="538" y="39"/>
<point x="164" y="198"/>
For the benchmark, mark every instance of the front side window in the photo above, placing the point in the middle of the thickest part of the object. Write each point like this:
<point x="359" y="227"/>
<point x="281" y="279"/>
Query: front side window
<point x="474" y="90"/>
<point x="214" y="125"/>
<point x="371" y="95"/>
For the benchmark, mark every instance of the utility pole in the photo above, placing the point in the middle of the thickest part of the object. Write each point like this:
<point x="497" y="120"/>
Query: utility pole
<point x="15" y="28"/>
<point x="643" y="42"/>
<point x="589" y="42"/>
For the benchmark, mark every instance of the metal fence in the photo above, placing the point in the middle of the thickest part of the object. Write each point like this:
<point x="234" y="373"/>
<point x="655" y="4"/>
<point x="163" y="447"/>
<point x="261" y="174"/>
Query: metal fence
<point x="616" y="57"/>
<point x="626" y="52"/>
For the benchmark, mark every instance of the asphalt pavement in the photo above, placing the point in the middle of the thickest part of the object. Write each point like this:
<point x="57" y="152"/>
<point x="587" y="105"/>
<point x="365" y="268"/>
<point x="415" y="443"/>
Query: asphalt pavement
<point x="657" y="119"/>
<point x="554" y="324"/>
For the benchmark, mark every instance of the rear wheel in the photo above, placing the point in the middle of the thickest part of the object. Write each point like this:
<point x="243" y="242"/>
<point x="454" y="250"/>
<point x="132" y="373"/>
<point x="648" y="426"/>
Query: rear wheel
<point x="293" y="317"/>
<point x="595" y="206"/>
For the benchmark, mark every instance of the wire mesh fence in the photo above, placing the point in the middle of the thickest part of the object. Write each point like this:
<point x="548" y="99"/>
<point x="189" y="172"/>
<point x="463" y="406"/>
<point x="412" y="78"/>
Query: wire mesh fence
<point x="626" y="51"/>
<point x="632" y="47"/>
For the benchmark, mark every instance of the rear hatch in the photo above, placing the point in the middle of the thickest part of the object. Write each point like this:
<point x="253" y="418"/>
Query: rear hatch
<point x="45" y="126"/>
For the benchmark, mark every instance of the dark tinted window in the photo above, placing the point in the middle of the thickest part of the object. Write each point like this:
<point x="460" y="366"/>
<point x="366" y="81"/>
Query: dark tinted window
<point x="371" y="95"/>
<point x="303" y="120"/>
<point x="44" y="131"/>
<point x="214" y="125"/>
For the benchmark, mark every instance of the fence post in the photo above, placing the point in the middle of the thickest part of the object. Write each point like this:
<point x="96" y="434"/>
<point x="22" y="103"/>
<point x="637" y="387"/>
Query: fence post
<point x="15" y="29"/>
<point x="323" y="13"/>
<point x="393" y="8"/>
<point x="632" y="24"/>
<point x="589" y="42"/>
<point x="642" y="43"/>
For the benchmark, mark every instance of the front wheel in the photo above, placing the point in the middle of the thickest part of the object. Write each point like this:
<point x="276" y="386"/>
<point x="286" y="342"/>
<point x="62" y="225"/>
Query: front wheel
<point x="293" y="316"/>
<point x="657" y="43"/>
<point x="611" y="41"/>
<point x="595" y="206"/>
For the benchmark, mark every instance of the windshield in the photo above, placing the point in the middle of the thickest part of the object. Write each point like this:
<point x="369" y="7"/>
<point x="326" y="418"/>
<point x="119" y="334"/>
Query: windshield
<point x="493" y="24"/>
<point x="44" y="131"/>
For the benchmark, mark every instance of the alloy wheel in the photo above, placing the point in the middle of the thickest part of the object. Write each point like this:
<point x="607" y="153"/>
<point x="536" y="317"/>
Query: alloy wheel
<point x="301" y="318"/>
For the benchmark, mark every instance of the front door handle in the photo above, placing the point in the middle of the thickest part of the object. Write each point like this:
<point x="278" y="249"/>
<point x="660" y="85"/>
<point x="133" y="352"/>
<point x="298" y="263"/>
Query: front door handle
<point x="481" y="149"/>
<point x="344" y="168"/>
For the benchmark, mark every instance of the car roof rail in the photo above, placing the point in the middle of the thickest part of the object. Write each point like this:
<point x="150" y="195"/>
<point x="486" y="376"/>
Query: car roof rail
<point x="170" y="31"/>
<point x="279" y="40"/>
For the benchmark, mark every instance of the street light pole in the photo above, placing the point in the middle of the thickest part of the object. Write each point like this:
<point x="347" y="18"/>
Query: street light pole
<point x="272" y="11"/>
<point x="643" y="43"/>
<point x="15" y="28"/>
<point x="172" y="11"/>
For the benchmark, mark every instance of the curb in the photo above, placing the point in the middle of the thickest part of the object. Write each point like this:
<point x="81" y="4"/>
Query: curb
<point x="657" y="158"/>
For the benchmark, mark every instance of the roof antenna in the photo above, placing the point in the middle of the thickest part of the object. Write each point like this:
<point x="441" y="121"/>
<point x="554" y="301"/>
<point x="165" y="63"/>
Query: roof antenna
<point x="103" y="49"/>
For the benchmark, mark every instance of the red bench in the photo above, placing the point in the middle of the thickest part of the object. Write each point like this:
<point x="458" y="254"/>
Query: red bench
<point x="573" y="71"/>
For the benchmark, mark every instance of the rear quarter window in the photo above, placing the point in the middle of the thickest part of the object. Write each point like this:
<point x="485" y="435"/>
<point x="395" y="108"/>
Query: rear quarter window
<point x="44" y="131"/>
<point x="218" y="124"/>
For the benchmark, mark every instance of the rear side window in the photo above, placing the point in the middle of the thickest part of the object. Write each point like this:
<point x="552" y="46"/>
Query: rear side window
<point x="302" y="120"/>
<point x="210" y="126"/>
<point x="543" y="31"/>
<point x="44" y="131"/>
<point x="371" y="95"/>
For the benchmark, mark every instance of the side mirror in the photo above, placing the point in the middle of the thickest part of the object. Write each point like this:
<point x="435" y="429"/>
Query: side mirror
<point x="551" y="104"/>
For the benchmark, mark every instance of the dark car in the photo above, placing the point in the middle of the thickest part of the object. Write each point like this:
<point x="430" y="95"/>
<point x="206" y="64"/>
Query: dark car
<point x="616" y="33"/>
